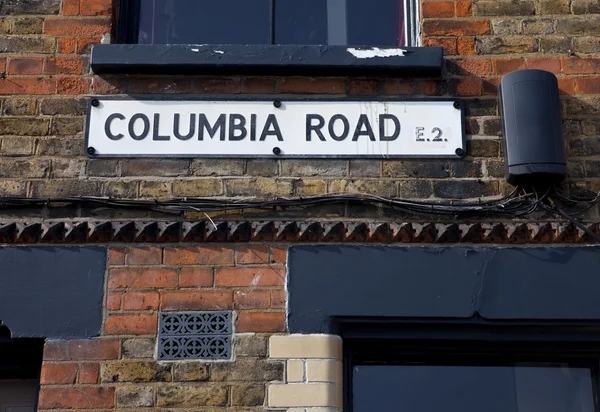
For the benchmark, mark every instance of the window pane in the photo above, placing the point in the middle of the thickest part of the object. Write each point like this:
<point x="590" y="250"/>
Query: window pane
<point x="380" y="25"/>
<point x="472" y="389"/>
<point x="205" y="22"/>
<point x="301" y="22"/>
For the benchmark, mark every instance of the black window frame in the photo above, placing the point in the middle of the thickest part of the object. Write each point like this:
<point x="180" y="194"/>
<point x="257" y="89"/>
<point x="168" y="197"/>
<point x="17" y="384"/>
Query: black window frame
<point x="476" y="342"/>
<point x="127" y="22"/>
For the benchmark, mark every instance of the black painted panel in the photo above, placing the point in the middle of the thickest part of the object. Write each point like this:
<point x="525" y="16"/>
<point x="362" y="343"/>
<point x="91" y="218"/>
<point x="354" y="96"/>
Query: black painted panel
<point x="432" y="282"/>
<point x="52" y="292"/>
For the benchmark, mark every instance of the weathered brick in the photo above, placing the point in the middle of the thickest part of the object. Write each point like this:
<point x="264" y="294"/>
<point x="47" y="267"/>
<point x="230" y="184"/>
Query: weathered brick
<point x="589" y="146"/>
<point x="76" y="398"/>
<point x="456" y="27"/>
<point x="20" y="106"/>
<point x="199" y="255"/>
<point x="363" y="87"/>
<point x="96" y="8"/>
<point x="13" y="188"/>
<point x="450" y="49"/>
<point x="67" y="126"/>
<point x="67" y="168"/>
<point x="260" y="85"/>
<point x="250" y="276"/>
<point x="16" y="7"/>
<point x="250" y="345"/>
<point x="217" y="167"/>
<point x="259" y="187"/>
<point x="21" y="168"/>
<point x="538" y="26"/>
<point x="196" y="300"/>
<point x="58" y="373"/>
<point x="300" y="85"/>
<point x="95" y="349"/>
<point x="135" y="396"/>
<point x="70" y="7"/>
<point x="588" y="25"/>
<point x="216" y="85"/>
<point x="365" y="168"/>
<point x="72" y="85"/>
<point x="143" y="255"/>
<point x="247" y="369"/>
<point x="438" y="9"/>
<point x="42" y="45"/>
<point x="506" y="26"/>
<point x="84" y="46"/>
<point x="191" y="396"/>
<point x="141" y="324"/>
<point x="586" y="44"/>
<point x="585" y="6"/>
<point x="136" y="372"/>
<point x="56" y="350"/>
<point x="156" y="190"/>
<point x="373" y="186"/>
<point x="88" y="26"/>
<point x="247" y="255"/>
<point x="65" y="45"/>
<point x="483" y="148"/>
<point x="190" y="372"/>
<point x="25" y="65"/>
<point x="260" y="322"/>
<point x="89" y="373"/>
<point x="549" y="64"/>
<point x="63" y="106"/>
<point x="155" y="167"/>
<point x="5" y="26"/>
<point x="465" y="189"/>
<point x="262" y="167"/>
<point x="464" y="8"/>
<point x="138" y="348"/>
<point x="138" y="278"/>
<point x="103" y="167"/>
<point x="248" y="395"/>
<point x="278" y="299"/>
<point x="420" y="169"/>
<point x="313" y="167"/>
<point x="576" y="65"/>
<point x="503" y="8"/>
<point x="27" y="25"/>
<point x="251" y="299"/>
<point x="588" y="85"/>
<point x="556" y="44"/>
<point x="507" y="45"/>
<point x="198" y="188"/>
<point x="113" y="300"/>
<point x="191" y="277"/>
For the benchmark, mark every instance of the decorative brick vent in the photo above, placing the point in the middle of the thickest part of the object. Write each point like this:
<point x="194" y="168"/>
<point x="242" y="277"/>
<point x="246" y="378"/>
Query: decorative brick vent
<point x="195" y="335"/>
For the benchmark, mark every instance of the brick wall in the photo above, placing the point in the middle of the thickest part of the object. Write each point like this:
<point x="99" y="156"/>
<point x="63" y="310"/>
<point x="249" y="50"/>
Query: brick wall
<point x="45" y="47"/>
<point x="118" y="369"/>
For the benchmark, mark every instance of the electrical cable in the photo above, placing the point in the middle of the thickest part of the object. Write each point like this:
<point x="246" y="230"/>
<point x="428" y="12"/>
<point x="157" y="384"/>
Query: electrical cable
<point x="556" y="209"/>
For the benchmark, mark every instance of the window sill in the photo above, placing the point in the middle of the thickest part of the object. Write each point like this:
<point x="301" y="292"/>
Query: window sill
<point x="266" y="60"/>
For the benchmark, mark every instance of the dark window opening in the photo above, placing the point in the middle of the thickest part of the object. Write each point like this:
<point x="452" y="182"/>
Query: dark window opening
<point x="20" y="366"/>
<point x="386" y="23"/>
<point x="512" y="374"/>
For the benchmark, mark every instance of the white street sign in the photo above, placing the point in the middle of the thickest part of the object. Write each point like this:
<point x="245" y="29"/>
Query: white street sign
<point x="269" y="128"/>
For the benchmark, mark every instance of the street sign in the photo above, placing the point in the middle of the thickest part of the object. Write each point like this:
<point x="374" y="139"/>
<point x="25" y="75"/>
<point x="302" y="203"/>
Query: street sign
<point x="272" y="128"/>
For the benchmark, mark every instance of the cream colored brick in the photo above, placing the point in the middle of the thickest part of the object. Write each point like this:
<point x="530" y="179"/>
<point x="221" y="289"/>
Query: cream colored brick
<point x="303" y="395"/>
<point x="321" y="410"/>
<point x="323" y="371"/>
<point x="296" y="410"/>
<point x="295" y="371"/>
<point x="306" y="347"/>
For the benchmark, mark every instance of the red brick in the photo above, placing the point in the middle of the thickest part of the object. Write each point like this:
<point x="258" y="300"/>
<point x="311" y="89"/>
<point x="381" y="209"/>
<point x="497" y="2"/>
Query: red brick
<point x="576" y="65"/>
<point x="140" y="324"/>
<point x="466" y="46"/>
<point x="116" y="255"/>
<point x="566" y="85"/>
<point x="588" y="85"/>
<point x="477" y="67"/>
<point x="58" y="373"/>
<point x="70" y="7"/>
<point x="64" y="65"/>
<point x="399" y="87"/>
<point x="456" y="27"/>
<point x="113" y="300"/>
<point x="143" y="256"/>
<point x="463" y="8"/>
<point x="90" y="26"/>
<point x="470" y="86"/>
<point x="73" y="85"/>
<point x="196" y="300"/>
<point x="25" y="65"/>
<point x="84" y="44"/>
<point x="77" y="398"/>
<point x="245" y="255"/>
<point x="490" y="86"/>
<point x="108" y="86"/>
<point x="56" y="350"/>
<point x="438" y="9"/>
<point x="279" y="254"/>
<point x="260" y="322"/>
<point x="549" y="64"/>
<point x="309" y="85"/>
<point x="251" y="276"/>
<point x="140" y="301"/>
<point x="278" y="299"/>
<point x="505" y="66"/>
<point x="88" y="373"/>
<point x="199" y="255"/>
<point x="66" y="45"/>
<point x="216" y="85"/>
<point x="138" y="278"/>
<point x="195" y="277"/>
<point x="448" y="43"/>
<point x="363" y="87"/>
<point x="252" y="299"/>
<point x="94" y="349"/>
<point x="95" y="7"/>
<point x="258" y="85"/>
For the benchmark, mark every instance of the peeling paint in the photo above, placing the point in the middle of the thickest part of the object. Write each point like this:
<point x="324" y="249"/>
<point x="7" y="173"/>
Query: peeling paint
<point x="195" y="50"/>
<point x="219" y="52"/>
<point x="376" y="52"/>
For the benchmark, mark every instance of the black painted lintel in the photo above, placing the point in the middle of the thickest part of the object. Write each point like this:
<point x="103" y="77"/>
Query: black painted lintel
<point x="266" y="60"/>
